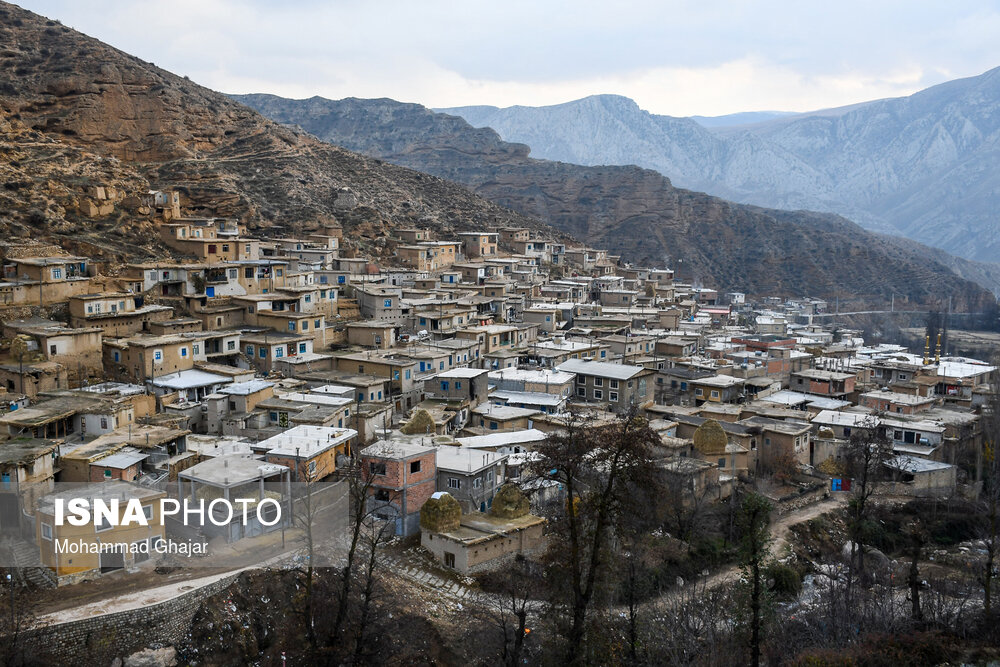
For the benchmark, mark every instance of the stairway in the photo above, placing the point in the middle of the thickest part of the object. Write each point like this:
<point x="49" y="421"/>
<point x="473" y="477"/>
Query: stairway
<point x="29" y="569"/>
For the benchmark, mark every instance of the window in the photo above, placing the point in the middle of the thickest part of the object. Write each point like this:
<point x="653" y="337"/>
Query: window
<point x="308" y="298"/>
<point x="157" y="355"/>
<point x="46" y="531"/>
<point x="279" y="272"/>
<point x="454" y="483"/>
<point x="598" y="394"/>
<point x="489" y="475"/>
<point x="598" y="382"/>
<point x="263" y="352"/>
<point x="341" y="280"/>
<point x="581" y="392"/>
<point x="118" y="356"/>
<point x="231" y="345"/>
<point x="184" y="352"/>
<point x="147" y="511"/>
<point x="715" y="394"/>
<point x="225" y="247"/>
<point x="580" y="379"/>
<point x="312" y="467"/>
<point x="56" y="274"/>
<point x="291" y="326"/>
<point x="279" y="352"/>
<point x="318" y="324"/>
<point x="722" y="463"/>
<point x="376" y="468"/>
<point x="847" y="431"/>
<point x="248" y="272"/>
<point x="444" y="385"/>
<point x="614" y="384"/>
<point x="196" y="349"/>
<point x="613" y="396"/>
<point x="477" y="483"/>
<point x="697" y="392"/>
<point x="305" y="325"/>
<point x="414" y="466"/>
<point x="101" y="523"/>
<point x="382" y="495"/>
<point x="302" y="348"/>
<point x="387" y="303"/>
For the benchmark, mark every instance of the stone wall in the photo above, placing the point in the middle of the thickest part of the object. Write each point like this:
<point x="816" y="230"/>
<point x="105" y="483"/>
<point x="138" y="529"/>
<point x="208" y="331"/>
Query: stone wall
<point x="121" y="633"/>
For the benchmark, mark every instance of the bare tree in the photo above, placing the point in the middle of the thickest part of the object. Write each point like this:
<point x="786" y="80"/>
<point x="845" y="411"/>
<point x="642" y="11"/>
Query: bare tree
<point x="375" y="533"/>
<point x="595" y="465"/>
<point x="866" y="454"/>
<point x="990" y="500"/>
<point x="511" y="594"/>
<point x="754" y="548"/>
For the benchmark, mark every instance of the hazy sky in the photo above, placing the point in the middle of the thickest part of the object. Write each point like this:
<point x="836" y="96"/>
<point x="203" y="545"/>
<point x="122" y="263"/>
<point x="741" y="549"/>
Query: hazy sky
<point x="678" y="58"/>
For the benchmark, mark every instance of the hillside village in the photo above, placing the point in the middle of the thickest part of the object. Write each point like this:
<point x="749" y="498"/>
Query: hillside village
<point x="435" y="374"/>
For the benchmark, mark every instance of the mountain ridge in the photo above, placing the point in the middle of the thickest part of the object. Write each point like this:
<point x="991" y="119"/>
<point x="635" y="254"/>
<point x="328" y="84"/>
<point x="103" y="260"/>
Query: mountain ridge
<point x="633" y="211"/>
<point x="895" y="165"/>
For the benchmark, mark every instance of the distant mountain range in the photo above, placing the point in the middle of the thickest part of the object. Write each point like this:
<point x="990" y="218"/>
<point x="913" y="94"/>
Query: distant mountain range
<point x="638" y="212"/>
<point x="926" y="166"/>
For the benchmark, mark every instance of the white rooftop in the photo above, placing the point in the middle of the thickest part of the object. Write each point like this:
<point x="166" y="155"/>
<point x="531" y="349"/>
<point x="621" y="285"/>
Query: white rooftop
<point x="190" y="379"/>
<point x="503" y="411"/>
<point x="531" y="375"/>
<point x="246" y="388"/>
<point x="719" y="381"/>
<point x="504" y="438"/>
<point x="466" y="459"/>
<point x="528" y="397"/>
<point x="316" y="399"/>
<point x="600" y="369"/>
<point x="121" y="460"/>
<point x="231" y="470"/>
<point x="461" y="373"/>
<point x="305" y="441"/>
<point x="787" y="397"/>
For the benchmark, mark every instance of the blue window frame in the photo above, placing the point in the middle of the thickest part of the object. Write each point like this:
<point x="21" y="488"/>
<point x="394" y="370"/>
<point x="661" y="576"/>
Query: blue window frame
<point x="444" y="385"/>
<point x="263" y="352"/>
<point x="341" y="280"/>
<point x="387" y="303"/>
<point x="302" y="347"/>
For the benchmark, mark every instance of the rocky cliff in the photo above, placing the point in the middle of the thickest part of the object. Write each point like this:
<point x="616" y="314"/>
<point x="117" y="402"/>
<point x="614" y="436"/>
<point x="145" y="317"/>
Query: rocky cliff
<point x="636" y="212"/>
<point x="77" y="115"/>
<point x="922" y="166"/>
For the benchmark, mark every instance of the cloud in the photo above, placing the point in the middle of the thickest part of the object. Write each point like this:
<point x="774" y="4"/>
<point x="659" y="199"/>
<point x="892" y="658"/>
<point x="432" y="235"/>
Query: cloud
<point x="678" y="57"/>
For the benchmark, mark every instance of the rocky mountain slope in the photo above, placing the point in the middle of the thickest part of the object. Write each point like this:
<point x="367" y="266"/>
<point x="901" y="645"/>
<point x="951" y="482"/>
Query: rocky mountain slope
<point x="633" y="211"/>
<point x="77" y="115"/>
<point x="922" y="166"/>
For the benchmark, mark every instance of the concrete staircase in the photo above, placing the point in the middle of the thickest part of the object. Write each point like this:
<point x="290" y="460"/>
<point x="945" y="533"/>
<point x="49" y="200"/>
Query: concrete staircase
<point x="29" y="569"/>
